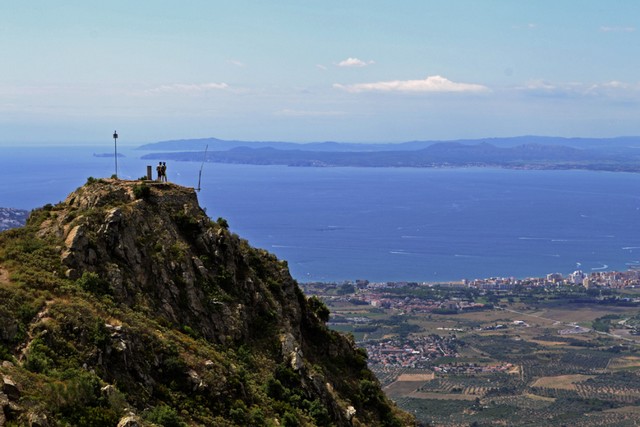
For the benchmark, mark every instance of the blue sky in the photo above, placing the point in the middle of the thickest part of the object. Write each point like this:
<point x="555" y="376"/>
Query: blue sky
<point x="303" y="70"/>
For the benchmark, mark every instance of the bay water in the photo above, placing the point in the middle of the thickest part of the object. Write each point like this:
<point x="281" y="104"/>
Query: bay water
<point x="381" y="224"/>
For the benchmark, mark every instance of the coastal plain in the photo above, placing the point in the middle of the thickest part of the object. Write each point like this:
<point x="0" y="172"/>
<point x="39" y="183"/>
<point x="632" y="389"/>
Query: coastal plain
<point x="559" y="358"/>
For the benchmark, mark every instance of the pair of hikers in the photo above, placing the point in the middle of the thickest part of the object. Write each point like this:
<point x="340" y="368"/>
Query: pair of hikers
<point x="162" y="171"/>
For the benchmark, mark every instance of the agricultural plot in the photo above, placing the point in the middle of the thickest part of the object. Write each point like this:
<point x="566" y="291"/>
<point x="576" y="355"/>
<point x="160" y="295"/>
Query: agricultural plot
<point x="515" y="411"/>
<point x="561" y="371"/>
<point x="584" y="313"/>
<point x="624" y="363"/>
<point x="560" y="379"/>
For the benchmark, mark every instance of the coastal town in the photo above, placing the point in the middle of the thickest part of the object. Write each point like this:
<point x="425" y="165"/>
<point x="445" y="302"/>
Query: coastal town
<point x="609" y="279"/>
<point x="393" y="343"/>
<point x="373" y="293"/>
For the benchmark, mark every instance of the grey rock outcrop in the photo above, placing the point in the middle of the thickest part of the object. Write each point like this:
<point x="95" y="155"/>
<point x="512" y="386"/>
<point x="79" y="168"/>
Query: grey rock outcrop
<point x="153" y="306"/>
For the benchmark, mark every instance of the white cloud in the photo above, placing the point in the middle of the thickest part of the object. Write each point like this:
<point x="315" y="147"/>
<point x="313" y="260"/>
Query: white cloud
<point x="606" y="29"/>
<point x="188" y="88"/>
<point x="354" y="63"/>
<point x="235" y="62"/>
<point x="538" y="85"/>
<point x="614" y="84"/>
<point x="611" y="89"/>
<point x="529" y="26"/>
<point x="322" y="67"/>
<point x="430" y="84"/>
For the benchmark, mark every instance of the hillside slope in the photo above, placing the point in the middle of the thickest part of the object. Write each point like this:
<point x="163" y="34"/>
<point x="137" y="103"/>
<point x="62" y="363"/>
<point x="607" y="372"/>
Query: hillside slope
<point x="126" y="305"/>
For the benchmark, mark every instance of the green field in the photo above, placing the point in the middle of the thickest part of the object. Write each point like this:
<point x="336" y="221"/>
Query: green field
<point x="544" y="364"/>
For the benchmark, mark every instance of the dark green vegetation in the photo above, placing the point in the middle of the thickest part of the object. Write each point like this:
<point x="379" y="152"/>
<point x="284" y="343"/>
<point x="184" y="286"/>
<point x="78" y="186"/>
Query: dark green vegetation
<point x="532" y="355"/>
<point x="127" y="301"/>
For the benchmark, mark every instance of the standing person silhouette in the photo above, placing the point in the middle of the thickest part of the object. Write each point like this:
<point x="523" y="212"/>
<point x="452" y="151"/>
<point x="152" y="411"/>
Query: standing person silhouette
<point x="164" y="171"/>
<point x="159" y="171"/>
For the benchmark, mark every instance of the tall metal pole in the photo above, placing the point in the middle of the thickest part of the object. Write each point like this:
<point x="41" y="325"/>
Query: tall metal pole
<point x="115" y="144"/>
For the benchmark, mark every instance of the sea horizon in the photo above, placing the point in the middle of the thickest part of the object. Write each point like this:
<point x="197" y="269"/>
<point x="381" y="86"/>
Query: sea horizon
<point x="383" y="224"/>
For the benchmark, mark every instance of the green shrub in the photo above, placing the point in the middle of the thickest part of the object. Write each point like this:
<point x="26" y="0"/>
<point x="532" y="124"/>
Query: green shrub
<point x="164" y="415"/>
<point x="93" y="283"/>
<point x="319" y="308"/>
<point x="239" y="413"/>
<point x="5" y="354"/>
<point x="256" y="417"/>
<point x="369" y="393"/>
<point x="95" y="416"/>
<point x="319" y="413"/>
<point x="187" y="224"/>
<point x="290" y="420"/>
<point x="37" y="358"/>
<point x="141" y="191"/>
<point x="276" y="390"/>
<point x="223" y="223"/>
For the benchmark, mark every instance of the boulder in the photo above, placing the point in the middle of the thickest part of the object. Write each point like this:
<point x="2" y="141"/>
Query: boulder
<point x="36" y="419"/>
<point x="129" y="421"/>
<point x="10" y="388"/>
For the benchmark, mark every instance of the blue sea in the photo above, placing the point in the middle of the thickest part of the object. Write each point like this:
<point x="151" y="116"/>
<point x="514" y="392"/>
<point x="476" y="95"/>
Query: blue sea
<point x="382" y="224"/>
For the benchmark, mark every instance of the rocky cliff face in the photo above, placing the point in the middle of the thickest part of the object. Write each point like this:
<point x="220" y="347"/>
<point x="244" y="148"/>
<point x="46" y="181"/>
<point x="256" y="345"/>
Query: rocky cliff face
<point x="126" y="304"/>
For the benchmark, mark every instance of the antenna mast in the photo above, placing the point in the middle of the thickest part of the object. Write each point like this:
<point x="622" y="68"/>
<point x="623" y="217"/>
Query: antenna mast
<point x="204" y="158"/>
<point x="115" y="144"/>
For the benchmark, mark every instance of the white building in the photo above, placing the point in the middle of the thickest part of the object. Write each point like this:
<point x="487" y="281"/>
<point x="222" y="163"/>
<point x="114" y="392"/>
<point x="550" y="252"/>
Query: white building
<point x="576" y="277"/>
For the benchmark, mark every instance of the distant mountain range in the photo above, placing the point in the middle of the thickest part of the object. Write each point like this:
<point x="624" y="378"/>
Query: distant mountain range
<point x="216" y="144"/>
<point x="527" y="152"/>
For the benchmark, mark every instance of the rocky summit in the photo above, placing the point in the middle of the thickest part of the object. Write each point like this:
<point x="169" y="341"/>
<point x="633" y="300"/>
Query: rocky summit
<point x="125" y="305"/>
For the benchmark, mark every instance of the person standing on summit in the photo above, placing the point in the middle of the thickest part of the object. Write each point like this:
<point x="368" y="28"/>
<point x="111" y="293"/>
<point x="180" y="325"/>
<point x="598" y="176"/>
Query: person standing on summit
<point x="159" y="171"/>
<point x="164" y="171"/>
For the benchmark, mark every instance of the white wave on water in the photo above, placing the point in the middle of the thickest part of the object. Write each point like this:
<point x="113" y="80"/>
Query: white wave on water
<point x="401" y="252"/>
<point x="604" y="267"/>
<point x="549" y="239"/>
<point x="628" y="248"/>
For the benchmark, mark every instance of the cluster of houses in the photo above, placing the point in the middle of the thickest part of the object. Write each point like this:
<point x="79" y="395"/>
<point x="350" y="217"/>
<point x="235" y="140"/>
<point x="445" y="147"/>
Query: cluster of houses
<point x="601" y="278"/>
<point x="473" y="368"/>
<point x="610" y="279"/>
<point x="410" y="353"/>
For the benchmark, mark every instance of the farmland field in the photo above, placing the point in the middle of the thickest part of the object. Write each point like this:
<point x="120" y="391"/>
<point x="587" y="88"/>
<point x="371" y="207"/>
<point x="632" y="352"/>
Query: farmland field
<point x="514" y="364"/>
